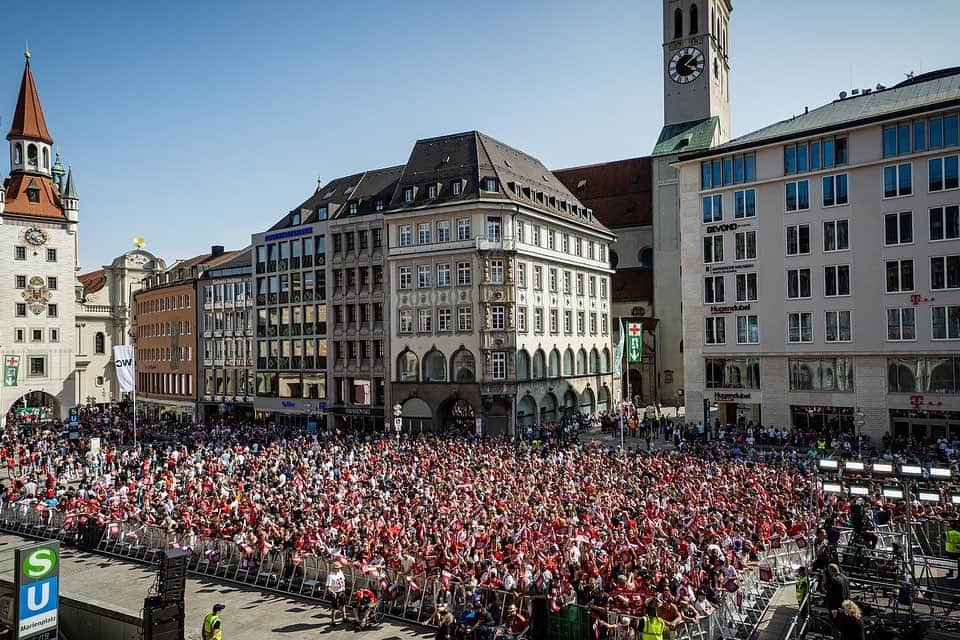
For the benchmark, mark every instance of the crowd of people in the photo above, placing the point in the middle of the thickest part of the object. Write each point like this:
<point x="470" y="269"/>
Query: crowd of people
<point x="578" y="522"/>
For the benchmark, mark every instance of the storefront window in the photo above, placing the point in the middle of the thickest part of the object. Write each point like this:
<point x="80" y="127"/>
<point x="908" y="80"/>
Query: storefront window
<point x="733" y="373"/>
<point x="923" y="375"/>
<point x="821" y="374"/>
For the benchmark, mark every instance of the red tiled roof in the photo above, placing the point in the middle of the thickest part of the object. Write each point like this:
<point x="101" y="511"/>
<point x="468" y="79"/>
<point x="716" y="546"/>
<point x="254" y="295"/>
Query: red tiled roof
<point x="28" y="121"/>
<point x="48" y="205"/>
<point x="633" y="284"/>
<point x="620" y="192"/>
<point x="93" y="281"/>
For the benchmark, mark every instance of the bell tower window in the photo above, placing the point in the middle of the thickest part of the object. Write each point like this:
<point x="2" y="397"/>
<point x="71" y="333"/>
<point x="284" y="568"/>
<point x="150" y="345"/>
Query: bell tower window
<point x="694" y="20"/>
<point x="678" y="23"/>
<point x="32" y="155"/>
<point x="46" y="158"/>
<point x="18" y="154"/>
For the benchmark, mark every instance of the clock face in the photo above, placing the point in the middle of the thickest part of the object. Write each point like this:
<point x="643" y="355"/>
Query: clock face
<point x="686" y="65"/>
<point x="35" y="236"/>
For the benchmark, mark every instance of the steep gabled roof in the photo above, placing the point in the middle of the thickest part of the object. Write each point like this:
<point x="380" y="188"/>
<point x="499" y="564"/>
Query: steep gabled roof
<point x="18" y="201"/>
<point x="93" y="281"/>
<point x="28" y="121"/>
<point x="619" y="192"/>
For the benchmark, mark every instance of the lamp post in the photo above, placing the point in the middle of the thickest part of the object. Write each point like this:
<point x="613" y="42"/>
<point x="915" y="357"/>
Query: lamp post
<point x="397" y="419"/>
<point x="858" y="422"/>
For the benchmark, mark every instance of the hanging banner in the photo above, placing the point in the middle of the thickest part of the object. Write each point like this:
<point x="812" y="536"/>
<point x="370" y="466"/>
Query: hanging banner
<point x="123" y="362"/>
<point x="634" y="342"/>
<point x="11" y="370"/>
<point x="618" y="355"/>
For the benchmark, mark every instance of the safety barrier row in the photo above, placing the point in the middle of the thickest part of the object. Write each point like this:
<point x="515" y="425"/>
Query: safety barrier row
<point x="409" y="597"/>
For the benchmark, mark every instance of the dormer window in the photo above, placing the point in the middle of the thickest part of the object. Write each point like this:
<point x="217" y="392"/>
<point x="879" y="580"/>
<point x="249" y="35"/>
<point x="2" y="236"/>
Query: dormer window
<point x="33" y="192"/>
<point x="322" y="212"/>
<point x="295" y="218"/>
<point x="353" y="208"/>
<point x="432" y="191"/>
<point x="457" y="187"/>
<point x="408" y="194"/>
<point x="490" y="184"/>
<point x="379" y="205"/>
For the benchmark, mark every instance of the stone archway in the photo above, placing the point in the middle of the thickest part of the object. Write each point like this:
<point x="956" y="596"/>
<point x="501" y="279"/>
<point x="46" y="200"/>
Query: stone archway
<point x="458" y="416"/>
<point x="416" y="416"/>
<point x="34" y="407"/>
<point x="527" y="411"/>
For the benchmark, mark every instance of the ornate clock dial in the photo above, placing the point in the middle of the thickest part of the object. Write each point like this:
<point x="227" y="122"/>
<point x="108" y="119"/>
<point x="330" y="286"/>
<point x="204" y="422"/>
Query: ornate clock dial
<point x="35" y="236"/>
<point x="686" y="65"/>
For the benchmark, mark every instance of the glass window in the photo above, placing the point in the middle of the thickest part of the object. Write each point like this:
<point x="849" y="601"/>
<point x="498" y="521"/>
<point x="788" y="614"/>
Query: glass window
<point x="712" y="252"/>
<point x="745" y="204"/>
<point x="714" y="330"/>
<point x="745" y="245"/>
<point x="746" y="287"/>
<point x="798" y="240"/>
<point x="800" y="327"/>
<point x="712" y="208"/>
<point x="713" y="289"/>
<point x="889" y="141"/>
<point x="732" y="373"/>
<point x="750" y="167"/>
<point x="748" y="330"/>
<point x="898" y="228"/>
<point x="946" y="323"/>
<point x="836" y="280"/>
<point x="798" y="283"/>
<point x="789" y="159"/>
<point x="950" y="133"/>
<point x="902" y="324"/>
<point x="945" y="223"/>
<point x="797" y="196"/>
<point x="919" y="135"/>
<point x="836" y="235"/>
<point x="899" y="276"/>
<point x="936" y="132"/>
<point x="945" y="272"/>
<point x="706" y="175"/>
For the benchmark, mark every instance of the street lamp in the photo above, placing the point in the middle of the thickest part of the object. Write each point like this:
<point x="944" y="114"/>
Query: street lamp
<point x="397" y="419"/>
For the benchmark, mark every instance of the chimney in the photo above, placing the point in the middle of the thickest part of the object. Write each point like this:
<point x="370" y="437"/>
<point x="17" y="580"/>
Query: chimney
<point x="216" y="251"/>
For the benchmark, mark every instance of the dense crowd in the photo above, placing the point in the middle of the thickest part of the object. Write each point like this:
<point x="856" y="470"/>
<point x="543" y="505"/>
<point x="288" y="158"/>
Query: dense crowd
<point x="584" y="522"/>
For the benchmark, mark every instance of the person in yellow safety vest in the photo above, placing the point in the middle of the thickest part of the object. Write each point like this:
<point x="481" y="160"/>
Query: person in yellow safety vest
<point x="653" y="628"/>
<point x="952" y="544"/>
<point x="822" y="444"/>
<point x="211" y="624"/>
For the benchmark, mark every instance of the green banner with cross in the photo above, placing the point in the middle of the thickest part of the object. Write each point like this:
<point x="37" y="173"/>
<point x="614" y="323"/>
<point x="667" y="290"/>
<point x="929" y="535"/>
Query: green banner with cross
<point x="634" y="342"/>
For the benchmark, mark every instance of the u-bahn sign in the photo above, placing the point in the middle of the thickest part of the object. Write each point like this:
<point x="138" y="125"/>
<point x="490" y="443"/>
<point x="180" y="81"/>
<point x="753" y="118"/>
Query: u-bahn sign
<point x="37" y="591"/>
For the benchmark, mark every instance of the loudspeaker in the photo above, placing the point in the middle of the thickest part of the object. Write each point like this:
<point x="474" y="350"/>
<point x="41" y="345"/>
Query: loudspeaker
<point x="162" y="620"/>
<point x="173" y="575"/>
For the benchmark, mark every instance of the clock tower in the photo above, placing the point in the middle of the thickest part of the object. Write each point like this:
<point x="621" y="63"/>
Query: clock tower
<point x="696" y="63"/>
<point x="696" y="116"/>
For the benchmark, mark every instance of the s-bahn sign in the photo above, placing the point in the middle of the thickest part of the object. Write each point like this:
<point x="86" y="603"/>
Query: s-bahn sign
<point x="37" y="590"/>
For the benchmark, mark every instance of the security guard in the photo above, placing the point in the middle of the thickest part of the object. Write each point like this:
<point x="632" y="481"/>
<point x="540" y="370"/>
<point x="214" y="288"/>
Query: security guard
<point x="952" y="544"/>
<point x="211" y="623"/>
<point x="654" y="628"/>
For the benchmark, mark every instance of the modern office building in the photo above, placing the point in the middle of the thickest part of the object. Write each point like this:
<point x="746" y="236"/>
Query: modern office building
<point x="104" y="319"/>
<point x="165" y="330"/>
<point x="500" y="281"/>
<point x="821" y="265"/>
<point x="39" y="214"/>
<point x="359" y="366"/>
<point x="225" y="340"/>
<point x="290" y="304"/>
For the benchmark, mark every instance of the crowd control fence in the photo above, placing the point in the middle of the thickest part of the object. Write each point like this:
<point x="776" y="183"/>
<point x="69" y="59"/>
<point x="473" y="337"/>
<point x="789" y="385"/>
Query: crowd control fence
<point x="410" y="597"/>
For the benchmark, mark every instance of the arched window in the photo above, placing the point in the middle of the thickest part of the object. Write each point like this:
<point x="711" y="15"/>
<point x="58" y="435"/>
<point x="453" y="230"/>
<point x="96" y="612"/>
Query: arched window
<point x="463" y="366"/>
<point x="582" y="362"/>
<point x="407" y="366"/>
<point x="523" y="365"/>
<point x="678" y="23"/>
<point x="594" y="361"/>
<point x="46" y="158"/>
<point x="694" y="20"/>
<point x="568" y="362"/>
<point x="553" y="366"/>
<point x="605" y="360"/>
<point x="614" y="259"/>
<point x="18" y="154"/>
<point x="434" y="367"/>
<point x="539" y="365"/>
<point x="646" y="258"/>
<point x="32" y="155"/>
<point x="99" y="343"/>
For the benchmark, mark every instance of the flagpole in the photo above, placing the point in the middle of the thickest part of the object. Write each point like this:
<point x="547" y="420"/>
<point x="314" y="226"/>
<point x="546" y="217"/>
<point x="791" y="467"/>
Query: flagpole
<point x="134" y="398"/>
<point x="623" y="383"/>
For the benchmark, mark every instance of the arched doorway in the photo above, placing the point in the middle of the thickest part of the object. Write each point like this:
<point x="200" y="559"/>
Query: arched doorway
<point x="526" y="412"/>
<point x="636" y="384"/>
<point x="569" y="402"/>
<point x="603" y="399"/>
<point x="548" y="408"/>
<point x="34" y="407"/>
<point x="459" y="416"/>
<point x="416" y="416"/>
<point x="587" y="403"/>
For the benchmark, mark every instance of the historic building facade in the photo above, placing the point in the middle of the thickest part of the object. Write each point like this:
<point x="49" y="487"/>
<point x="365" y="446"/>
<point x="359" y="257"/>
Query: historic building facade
<point x="359" y="365"/>
<point x="500" y="315"/>
<point x="39" y="212"/>
<point x="225" y="344"/>
<point x="165" y="327"/>
<point x="104" y="319"/>
<point x="821" y="266"/>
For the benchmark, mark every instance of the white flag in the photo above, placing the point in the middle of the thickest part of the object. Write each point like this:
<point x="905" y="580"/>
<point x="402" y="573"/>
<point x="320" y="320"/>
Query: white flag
<point x="123" y="361"/>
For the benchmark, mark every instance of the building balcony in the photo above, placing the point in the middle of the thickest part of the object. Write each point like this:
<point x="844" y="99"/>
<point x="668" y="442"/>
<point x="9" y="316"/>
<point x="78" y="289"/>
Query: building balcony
<point x="502" y="244"/>
<point x="498" y="389"/>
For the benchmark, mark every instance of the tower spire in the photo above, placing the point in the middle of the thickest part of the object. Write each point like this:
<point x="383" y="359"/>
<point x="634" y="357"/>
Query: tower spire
<point x="28" y="121"/>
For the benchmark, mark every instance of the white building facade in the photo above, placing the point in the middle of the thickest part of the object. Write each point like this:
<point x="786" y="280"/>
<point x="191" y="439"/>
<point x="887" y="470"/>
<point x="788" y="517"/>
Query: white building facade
<point x="38" y="256"/>
<point x="821" y="266"/>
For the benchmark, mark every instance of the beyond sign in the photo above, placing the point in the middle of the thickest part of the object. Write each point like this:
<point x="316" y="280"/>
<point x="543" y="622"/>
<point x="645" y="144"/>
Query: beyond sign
<point x="37" y="589"/>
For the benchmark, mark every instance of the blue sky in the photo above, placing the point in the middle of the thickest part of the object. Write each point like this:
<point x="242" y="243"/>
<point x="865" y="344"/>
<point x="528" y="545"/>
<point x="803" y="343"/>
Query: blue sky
<point x="199" y="123"/>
